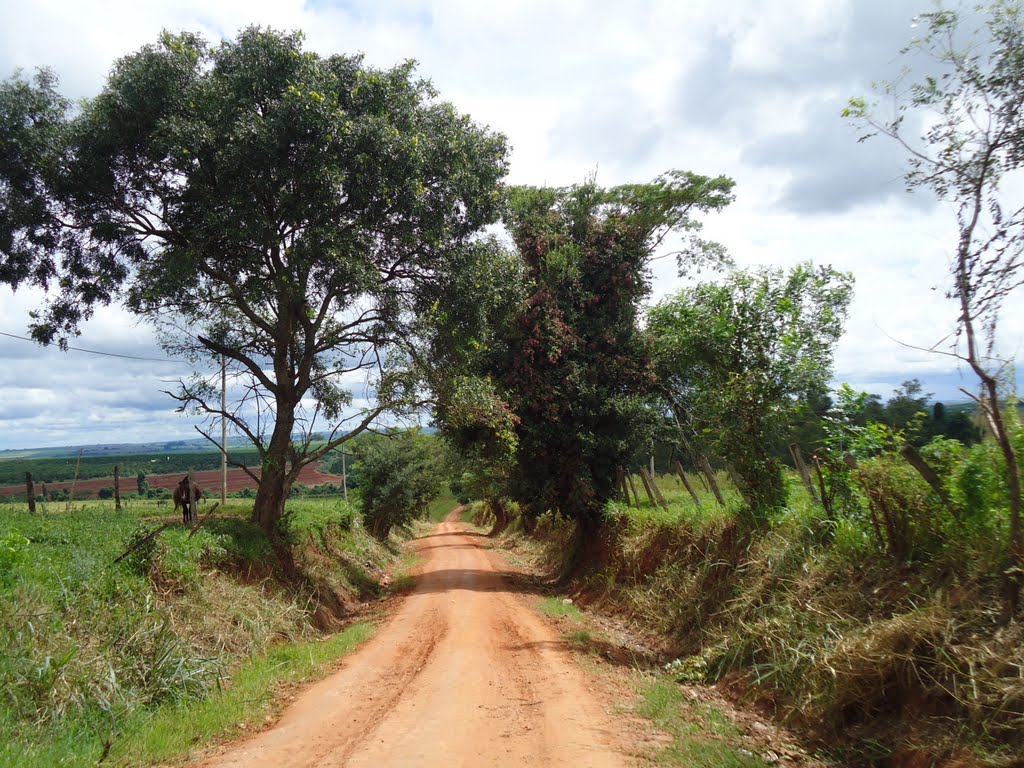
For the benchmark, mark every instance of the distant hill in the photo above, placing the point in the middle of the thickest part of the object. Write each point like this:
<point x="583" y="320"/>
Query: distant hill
<point x="195" y="445"/>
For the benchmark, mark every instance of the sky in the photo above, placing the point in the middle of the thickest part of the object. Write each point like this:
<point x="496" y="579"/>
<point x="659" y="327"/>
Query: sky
<point x="749" y="88"/>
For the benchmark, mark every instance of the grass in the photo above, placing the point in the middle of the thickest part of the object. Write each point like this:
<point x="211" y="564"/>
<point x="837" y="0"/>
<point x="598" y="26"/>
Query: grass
<point x="180" y="641"/>
<point x="701" y="734"/>
<point x="818" y="618"/>
<point x="172" y="732"/>
<point x="439" y="508"/>
<point x="556" y="606"/>
<point x="402" y="580"/>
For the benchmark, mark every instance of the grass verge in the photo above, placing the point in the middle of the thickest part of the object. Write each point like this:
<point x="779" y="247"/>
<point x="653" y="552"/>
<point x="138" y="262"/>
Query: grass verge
<point x="700" y="733"/>
<point x="173" y="731"/>
<point x="557" y="606"/>
<point x="141" y="657"/>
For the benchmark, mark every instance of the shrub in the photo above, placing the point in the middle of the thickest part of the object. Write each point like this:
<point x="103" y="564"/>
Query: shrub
<point x="401" y="476"/>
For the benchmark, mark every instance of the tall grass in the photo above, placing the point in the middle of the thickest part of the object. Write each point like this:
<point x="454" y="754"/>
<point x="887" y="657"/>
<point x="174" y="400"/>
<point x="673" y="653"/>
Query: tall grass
<point x="826" y="619"/>
<point x="91" y="651"/>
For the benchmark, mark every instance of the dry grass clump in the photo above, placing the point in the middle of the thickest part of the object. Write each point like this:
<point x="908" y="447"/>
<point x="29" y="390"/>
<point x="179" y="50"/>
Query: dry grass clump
<point x="227" y="617"/>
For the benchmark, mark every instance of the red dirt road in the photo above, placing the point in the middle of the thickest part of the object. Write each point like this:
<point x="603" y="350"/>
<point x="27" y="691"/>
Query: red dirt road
<point x="464" y="674"/>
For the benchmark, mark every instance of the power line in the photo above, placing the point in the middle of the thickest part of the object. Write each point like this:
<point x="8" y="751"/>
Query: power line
<point x="96" y="352"/>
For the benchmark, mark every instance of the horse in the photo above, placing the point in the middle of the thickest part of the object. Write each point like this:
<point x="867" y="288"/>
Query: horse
<point x="181" y="498"/>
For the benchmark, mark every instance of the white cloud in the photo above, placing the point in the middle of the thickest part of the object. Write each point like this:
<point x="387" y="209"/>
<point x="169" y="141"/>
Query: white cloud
<point x="749" y="89"/>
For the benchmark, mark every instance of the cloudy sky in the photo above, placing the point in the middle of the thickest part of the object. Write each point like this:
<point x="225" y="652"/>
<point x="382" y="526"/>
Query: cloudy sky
<point x="747" y="88"/>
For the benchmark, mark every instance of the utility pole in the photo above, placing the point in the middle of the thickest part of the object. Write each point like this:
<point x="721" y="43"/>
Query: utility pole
<point x="223" y="430"/>
<point x="344" y="475"/>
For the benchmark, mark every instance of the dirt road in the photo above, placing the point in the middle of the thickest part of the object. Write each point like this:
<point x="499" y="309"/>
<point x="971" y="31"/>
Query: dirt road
<point x="465" y="674"/>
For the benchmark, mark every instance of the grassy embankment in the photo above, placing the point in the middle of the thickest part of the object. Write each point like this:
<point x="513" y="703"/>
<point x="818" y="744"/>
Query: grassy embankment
<point x="183" y="642"/>
<point x="877" y="659"/>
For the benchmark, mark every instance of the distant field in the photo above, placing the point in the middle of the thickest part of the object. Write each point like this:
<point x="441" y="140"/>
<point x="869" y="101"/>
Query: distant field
<point x="207" y="479"/>
<point x="54" y="470"/>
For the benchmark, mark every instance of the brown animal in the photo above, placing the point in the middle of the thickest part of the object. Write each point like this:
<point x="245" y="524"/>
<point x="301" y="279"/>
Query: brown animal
<point x="181" y="498"/>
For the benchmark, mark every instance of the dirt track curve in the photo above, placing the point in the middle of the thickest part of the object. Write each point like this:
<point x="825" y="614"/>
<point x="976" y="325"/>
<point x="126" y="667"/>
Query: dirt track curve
<point x="464" y="674"/>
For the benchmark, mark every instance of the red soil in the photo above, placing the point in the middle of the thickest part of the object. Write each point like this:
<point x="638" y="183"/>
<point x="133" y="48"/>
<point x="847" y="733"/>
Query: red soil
<point x="208" y="480"/>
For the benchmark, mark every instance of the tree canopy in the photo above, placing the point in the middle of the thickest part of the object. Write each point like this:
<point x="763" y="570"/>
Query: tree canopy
<point x="569" y="375"/>
<point x="733" y="359"/>
<point x="295" y="214"/>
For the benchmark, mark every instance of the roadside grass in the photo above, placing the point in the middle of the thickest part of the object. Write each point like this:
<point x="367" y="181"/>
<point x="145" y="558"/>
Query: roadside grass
<point x="556" y="606"/>
<point x="135" y="661"/>
<point x="439" y="508"/>
<point x="402" y="580"/>
<point x="815" y="615"/>
<point x="581" y="640"/>
<point x="701" y="734"/>
<point x="173" y="731"/>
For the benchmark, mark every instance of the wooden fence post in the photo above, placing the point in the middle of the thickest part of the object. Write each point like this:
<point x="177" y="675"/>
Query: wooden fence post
<point x="647" y="486"/>
<point x="658" y="497"/>
<point x="709" y="473"/>
<point x="632" y="487"/>
<point x="826" y="499"/>
<point x="620" y="484"/>
<point x="801" y="467"/>
<point x="30" y="493"/>
<point x="71" y="493"/>
<point x="686" y="483"/>
<point x="117" y="488"/>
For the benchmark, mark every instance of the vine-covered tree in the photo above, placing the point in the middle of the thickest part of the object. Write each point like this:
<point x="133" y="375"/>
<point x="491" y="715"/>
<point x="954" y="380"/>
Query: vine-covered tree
<point x="970" y="153"/>
<point x="290" y="213"/>
<point x="576" y="371"/>
<point x="734" y="359"/>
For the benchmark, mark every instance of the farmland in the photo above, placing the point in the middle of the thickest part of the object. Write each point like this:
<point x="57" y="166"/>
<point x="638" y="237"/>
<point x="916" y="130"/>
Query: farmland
<point x="208" y="479"/>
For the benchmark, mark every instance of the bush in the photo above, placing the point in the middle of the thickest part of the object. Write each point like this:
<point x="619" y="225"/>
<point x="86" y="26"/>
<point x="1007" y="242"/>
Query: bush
<point x="401" y="476"/>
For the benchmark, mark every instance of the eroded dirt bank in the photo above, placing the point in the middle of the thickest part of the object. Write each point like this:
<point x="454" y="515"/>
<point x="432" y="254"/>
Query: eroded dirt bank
<point x="465" y="674"/>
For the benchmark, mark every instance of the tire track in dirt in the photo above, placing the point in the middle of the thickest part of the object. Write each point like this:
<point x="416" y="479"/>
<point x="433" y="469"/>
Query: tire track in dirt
<point x="465" y="674"/>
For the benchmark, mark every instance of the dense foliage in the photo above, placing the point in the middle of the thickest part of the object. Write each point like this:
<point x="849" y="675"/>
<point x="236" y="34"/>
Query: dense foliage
<point x="577" y="374"/>
<point x="735" y="358"/>
<point x="401" y="474"/>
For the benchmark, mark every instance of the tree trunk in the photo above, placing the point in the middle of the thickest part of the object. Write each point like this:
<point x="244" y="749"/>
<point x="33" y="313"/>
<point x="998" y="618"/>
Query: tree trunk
<point x="275" y="477"/>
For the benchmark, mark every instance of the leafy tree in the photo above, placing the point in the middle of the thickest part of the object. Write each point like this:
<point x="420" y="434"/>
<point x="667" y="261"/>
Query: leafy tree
<point x="733" y="359"/>
<point x="401" y="474"/>
<point x="292" y="214"/>
<point x="972" y="145"/>
<point x="575" y="371"/>
<point x="141" y="483"/>
<point x="31" y="124"/>
<point x="468" y="338"/>
<point x="907" y="411"/>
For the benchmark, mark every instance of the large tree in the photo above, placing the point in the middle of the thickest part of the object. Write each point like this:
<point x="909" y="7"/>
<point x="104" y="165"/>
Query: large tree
<point x="970" y="110"/>
<point x="288" y="212"/>
<point x="734" y="359"/>
<point x="576" y="371"/>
